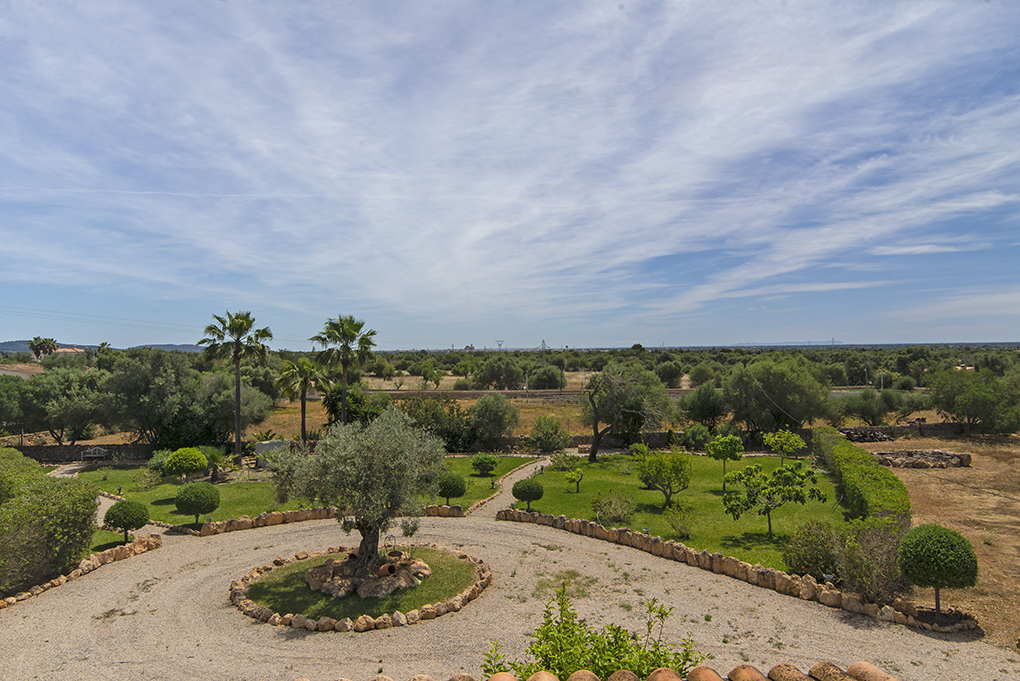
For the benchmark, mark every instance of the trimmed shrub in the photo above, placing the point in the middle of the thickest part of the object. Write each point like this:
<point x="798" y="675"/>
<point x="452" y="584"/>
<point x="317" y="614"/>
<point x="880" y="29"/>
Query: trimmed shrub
<point x="812" y="551"/>
<point x="563" y="461"/>
<point x="936" y="556"/>
<point x="484" y="463"/>
<point x="46" y="524"/>
<point x="870" y="490"/>
<point x="528" y="490"/>
<point x="127" y="515"/>
<point x="548" y="435"/>
<point x="450" y="486"/>
<point x="185" y="460"/>
<point x="197" y="498"/>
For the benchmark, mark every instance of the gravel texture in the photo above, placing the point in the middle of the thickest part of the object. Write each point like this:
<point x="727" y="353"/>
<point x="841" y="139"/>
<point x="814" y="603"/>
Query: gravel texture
<point x="165" y="615"/>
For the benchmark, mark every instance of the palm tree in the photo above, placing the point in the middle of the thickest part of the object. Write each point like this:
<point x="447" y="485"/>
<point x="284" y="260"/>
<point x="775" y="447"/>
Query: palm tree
<point x="353" y="344"/>
<point x="42" y="346"/>
<point x="235" y="337"/>
<point x="299" y="377"/>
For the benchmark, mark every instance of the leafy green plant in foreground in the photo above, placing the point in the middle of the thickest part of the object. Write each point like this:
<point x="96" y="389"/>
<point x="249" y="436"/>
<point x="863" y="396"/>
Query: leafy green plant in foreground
<point x="564" y="644"/>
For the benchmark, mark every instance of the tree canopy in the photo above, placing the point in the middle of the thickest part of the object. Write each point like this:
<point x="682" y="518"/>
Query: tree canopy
<point x="374" y="472"/>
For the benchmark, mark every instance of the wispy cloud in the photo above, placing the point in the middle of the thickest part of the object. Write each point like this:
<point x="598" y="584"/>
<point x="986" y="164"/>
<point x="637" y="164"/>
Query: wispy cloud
<point x="519" y="167"/>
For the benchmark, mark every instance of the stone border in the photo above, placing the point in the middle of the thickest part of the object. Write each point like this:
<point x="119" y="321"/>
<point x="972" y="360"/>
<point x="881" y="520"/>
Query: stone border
<point x="239" y="597"/>
<point x="805" y="588"/>
<point x="455" y="511"/>
<point x="95" y="560"/>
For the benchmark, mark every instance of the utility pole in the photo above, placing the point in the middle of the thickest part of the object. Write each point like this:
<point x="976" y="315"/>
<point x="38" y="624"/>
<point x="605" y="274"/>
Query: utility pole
<point x="500" y="344"/>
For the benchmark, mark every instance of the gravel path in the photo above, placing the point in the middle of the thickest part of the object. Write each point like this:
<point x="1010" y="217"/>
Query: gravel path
<point x="165" y="615"/>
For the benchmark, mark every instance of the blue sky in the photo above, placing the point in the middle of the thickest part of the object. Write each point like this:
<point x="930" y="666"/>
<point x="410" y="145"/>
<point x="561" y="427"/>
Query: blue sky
<point x="584" y="173"/>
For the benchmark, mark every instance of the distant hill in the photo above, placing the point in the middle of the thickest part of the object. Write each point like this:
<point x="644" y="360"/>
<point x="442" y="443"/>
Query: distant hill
<point x="22" y="346"/>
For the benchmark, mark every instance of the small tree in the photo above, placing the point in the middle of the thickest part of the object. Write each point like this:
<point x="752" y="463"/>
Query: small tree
<point x="450" y="485"/>
<point x="725" y="448"/>
<point x="669" y="472"/>
<point x="936" y="556"/>
<point x="127" y="515"/>
<point x="574" y="477"/>
<point x="491" y="422"/>
<point x="197" y="498"/>
<point x="548" y="435"/>
<point x="528" y="490"/>
<point x="766" y="493"/>
<point x="784" y="442"/>
<point x="185" y="460"/>
<point x="484" y="463"/>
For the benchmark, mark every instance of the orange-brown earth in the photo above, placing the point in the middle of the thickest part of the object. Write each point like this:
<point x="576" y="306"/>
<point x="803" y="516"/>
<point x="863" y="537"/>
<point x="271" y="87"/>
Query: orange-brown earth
<point x="982" y="502"/>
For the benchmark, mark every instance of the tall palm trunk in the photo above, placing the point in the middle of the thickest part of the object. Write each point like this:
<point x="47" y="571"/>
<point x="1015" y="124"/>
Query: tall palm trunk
<point x="237" y="407"/>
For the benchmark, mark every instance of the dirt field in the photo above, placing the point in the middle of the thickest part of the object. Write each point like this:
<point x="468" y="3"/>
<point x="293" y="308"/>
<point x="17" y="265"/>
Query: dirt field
<point x="983" y="503"/>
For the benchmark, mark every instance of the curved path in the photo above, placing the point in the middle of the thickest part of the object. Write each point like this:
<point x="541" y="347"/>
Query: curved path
<point x="165" y="615"/>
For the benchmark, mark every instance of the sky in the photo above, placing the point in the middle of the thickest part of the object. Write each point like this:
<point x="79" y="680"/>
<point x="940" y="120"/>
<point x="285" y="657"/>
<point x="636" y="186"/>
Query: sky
<point x="583" y="174"/>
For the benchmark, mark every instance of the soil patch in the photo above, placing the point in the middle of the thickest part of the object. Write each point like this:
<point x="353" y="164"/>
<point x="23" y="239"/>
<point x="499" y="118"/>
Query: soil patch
<point x="982" y="502"/>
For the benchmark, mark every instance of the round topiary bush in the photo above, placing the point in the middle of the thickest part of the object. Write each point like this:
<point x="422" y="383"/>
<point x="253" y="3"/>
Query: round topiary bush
<point x="451" y="485"/>
<point x="127" y="515"/>
<point x="197" y="498"/>
<point x="185" y="460"/>
<point x="936" y="556"/>
<point x="528" y="490"/>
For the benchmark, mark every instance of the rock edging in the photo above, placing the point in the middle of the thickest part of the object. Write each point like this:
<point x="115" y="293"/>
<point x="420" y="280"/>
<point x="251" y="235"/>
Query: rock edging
<point x="803" y="587"/>
<point x="239" y="597"/>
<point x="455" y="511"/>
<point x="94" y="561"/>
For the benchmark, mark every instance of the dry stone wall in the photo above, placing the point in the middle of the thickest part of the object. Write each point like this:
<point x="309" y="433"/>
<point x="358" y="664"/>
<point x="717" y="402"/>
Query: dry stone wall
<point x="803" y="587"/>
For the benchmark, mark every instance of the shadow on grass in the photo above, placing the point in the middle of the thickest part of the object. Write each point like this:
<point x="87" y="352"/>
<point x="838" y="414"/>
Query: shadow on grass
<point x="754" y="540"/>
<point x="715" y="492"/>
<point x="169" y="501"/>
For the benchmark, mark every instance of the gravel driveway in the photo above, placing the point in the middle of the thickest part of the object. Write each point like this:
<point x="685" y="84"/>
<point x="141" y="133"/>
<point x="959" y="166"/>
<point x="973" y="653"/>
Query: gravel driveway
<point x="165" y="615"/>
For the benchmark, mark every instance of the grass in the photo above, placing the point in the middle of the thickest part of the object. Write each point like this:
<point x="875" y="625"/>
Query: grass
<point x="236" y="499"/>
<point x="713" y="530"/>
<point x="103" y="539"/>
<point x="284" y="589"/>
<point x="479" y="487"/>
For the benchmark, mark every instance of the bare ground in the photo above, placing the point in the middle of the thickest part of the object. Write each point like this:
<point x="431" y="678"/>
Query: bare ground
<point x="982" y="502"/>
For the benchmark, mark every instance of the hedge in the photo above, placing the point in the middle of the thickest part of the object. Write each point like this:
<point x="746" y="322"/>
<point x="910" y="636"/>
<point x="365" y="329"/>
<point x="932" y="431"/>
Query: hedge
<point x="869" y="489"/>
<point x="46" y="525"/>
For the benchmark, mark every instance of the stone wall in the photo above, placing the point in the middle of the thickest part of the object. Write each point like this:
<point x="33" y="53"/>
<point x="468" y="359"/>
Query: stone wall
<point x="803" y="587"/>
<point x="72" y="453"/>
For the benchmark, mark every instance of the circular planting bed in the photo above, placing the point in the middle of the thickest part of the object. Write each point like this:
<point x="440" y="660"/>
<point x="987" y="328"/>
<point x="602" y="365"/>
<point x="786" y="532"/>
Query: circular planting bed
<point x="281" y="594"/>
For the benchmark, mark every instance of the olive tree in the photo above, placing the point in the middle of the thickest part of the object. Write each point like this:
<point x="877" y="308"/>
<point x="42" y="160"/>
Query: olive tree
<point x="936" y="556"/>
<point x="375" y="472"/>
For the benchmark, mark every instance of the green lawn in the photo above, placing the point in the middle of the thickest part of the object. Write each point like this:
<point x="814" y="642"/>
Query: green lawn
<point x="284" y="589"/>
<point x="712" y="529"/>
<point x="479" y="487"/>
<point x="236" y="499"/>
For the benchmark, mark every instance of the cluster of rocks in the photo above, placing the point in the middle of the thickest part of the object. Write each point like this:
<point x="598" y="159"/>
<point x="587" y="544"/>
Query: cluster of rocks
<point x="266" y="520"/>
<point x="455" y="511"/>
<point x="239" y="597"/>
<point x="866" y="434"/>
<point x="94" y="561"/>
<point x="338" y="578"/>
<point x="923" y="458"/>
<point x="803" y="587"/>
<point x="823" y="671"/>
